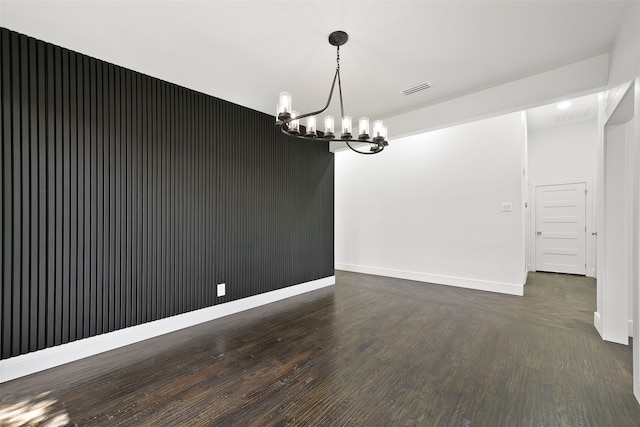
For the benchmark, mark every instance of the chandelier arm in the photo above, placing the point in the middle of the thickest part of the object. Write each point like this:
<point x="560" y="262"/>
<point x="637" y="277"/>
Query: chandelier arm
<point x="306" y="138"/>
<point x="315" y="113"/>
<point x="362" y="152"/>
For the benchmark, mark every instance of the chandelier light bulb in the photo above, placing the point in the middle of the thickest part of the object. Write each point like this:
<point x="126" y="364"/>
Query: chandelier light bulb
<point x="329" y="127"/>
<point x="311" y="126"/>
<point x="377" y="128"/>
<point x="285" y="106"/>
<point x="346" y="127"/>
<point x="363" y="132"/>
<point x="294" y="124"/>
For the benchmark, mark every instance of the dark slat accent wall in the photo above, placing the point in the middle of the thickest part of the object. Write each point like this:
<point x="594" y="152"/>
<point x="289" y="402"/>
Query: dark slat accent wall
<point x="126" y="199"/>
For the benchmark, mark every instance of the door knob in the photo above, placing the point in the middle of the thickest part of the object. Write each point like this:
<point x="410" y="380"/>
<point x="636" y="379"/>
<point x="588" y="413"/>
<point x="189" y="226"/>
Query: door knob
<point x="595" y="233"/>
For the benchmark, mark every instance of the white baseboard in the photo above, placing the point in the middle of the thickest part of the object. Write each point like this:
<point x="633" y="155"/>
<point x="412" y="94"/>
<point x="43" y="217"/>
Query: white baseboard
<point x="597" y="322"/>
<point x="630" y="328"/>
<point x="482" y="285"/>
<point x="26" y="364"/>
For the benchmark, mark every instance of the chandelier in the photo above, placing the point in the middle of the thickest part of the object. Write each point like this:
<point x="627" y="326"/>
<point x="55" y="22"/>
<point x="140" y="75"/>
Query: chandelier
<point x="289" y="120"/>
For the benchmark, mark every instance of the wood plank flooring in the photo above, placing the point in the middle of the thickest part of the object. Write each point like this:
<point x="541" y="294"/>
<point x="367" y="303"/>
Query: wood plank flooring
<point x="370" y="351"/>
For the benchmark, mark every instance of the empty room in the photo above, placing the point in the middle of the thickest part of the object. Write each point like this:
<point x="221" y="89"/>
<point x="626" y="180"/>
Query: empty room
<point x="337" y="213"/>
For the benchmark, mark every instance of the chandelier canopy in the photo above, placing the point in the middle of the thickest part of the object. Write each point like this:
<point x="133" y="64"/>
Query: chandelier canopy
<point x="289" y="120"/>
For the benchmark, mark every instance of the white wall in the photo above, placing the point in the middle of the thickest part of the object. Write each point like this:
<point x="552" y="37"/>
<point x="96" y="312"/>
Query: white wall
<point x="563" y="154"/>
<point x="429" y="207"/>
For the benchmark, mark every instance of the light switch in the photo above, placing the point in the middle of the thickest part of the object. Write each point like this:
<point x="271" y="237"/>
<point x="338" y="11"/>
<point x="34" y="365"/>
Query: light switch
<point x="507" y="207"/>
<point x="221" y="290"/>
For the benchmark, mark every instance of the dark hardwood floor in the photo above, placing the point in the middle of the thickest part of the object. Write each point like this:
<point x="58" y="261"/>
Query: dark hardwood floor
<point x="370" y="351"/>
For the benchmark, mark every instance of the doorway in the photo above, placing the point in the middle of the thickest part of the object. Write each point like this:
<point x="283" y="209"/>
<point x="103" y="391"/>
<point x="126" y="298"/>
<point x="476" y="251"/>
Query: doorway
<point x="618" y="294"/>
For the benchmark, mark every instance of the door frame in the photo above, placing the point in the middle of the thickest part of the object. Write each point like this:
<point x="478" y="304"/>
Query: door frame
<point x="588" y="220"/>
<point x="608" y="108"/>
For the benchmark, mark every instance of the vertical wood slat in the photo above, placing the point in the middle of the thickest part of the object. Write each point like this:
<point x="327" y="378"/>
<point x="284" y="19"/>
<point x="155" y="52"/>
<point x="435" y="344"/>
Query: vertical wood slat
<point x="99" y="133"/>
<point x="85" y="321"/>
<point x="65" y="200"/>
<point x="73" y="196"/>
<point x="6" y="110"/>
<point x="32" y="147"/>
<point x="116" y="201"/>
<point x="42" y="196"/>
<point x="15" y="195"/>
<point x="25" y="192"/>
<point x="126" y="199"/>
<point x="127" y="212"/>
<point x="56" y="142"/>
<point x="110" y="202"/>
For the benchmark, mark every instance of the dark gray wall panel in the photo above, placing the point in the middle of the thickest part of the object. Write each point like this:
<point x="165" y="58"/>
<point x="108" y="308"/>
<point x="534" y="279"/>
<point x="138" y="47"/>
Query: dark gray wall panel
<point x="126" y="199"/>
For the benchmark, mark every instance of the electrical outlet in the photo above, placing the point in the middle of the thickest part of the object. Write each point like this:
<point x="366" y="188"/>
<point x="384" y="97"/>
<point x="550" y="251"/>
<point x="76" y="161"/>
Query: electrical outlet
<point x="221" y="290"/>
<point x="507" y="207"/>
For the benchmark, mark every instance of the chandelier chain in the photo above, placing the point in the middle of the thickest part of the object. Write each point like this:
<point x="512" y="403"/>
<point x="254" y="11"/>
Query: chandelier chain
<point x="339" y="82"/>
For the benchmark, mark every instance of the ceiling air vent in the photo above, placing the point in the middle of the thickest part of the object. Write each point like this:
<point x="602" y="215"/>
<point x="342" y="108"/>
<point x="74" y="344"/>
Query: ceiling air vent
<point x="423" y="86"/>
<point x="572" y="116"/>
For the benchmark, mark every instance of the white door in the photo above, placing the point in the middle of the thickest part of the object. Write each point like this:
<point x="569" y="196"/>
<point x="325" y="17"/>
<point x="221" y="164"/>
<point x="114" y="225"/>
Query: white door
<point x="560" y="228"/>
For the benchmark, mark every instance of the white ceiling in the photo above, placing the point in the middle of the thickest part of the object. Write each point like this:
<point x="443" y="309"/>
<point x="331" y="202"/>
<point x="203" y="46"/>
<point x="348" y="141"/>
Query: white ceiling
<point x="248" y="51"/>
